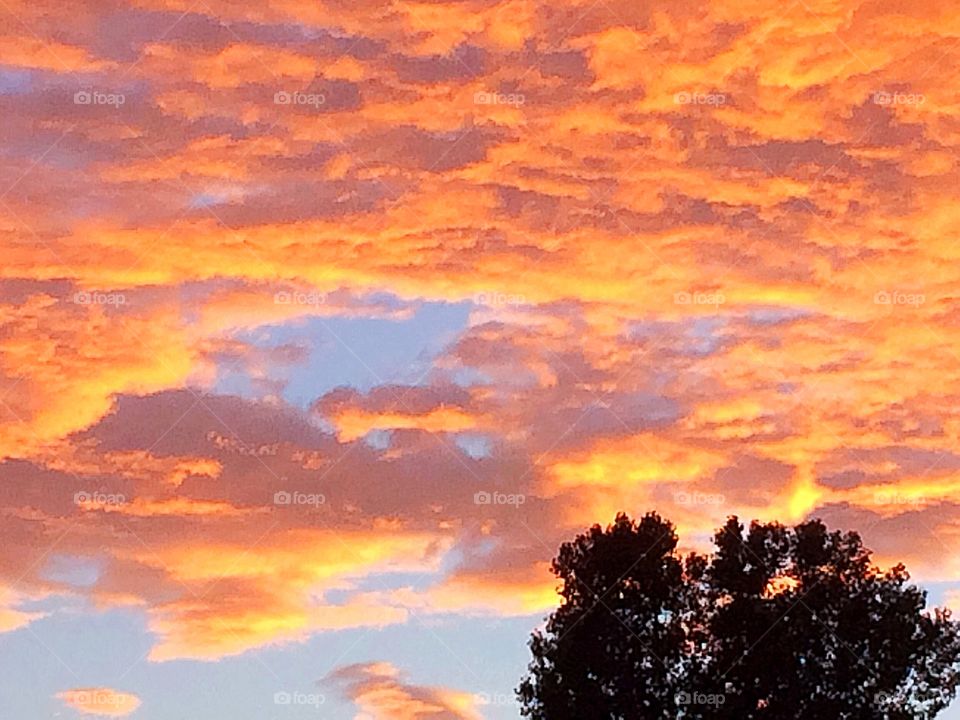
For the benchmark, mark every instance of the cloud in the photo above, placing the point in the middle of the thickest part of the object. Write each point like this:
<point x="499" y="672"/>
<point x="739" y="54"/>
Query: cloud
<point x="12" y="618"/>
<point x="380" y="692"/>
<point x="276" y="591"/>
<point x="707" y="254"/>
<point x="102" y="702"/>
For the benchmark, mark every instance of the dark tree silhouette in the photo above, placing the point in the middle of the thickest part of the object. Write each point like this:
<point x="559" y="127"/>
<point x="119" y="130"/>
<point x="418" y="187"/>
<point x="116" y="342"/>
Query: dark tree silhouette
<point x="776" y="624"/>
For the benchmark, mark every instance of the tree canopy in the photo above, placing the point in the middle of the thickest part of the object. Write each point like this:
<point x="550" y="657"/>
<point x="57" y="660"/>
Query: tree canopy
<point x="775" y="623"/>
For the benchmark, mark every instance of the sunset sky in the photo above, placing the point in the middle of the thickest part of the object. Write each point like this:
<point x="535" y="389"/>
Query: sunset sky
<point x="323" y="324"/>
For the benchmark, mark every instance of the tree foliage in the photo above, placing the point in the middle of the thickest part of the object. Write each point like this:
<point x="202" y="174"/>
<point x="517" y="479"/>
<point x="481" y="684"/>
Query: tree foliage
<point x="776" y="623"/>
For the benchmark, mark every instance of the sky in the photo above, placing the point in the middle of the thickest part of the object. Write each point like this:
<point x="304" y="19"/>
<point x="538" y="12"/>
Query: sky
<point x="323" y="324"/>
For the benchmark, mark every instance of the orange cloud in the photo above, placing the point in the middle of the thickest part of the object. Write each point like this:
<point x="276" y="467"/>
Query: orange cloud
<point x="527" y="591"/>
<point x="709" y="252"/>
<point x="380" y="693"/>
<point x="273" y="592"/>
<point x="353" y="424"/>
<point x="32" y="52"/>
<point x="10" y="617"/>
<point x="103" y="702"/>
